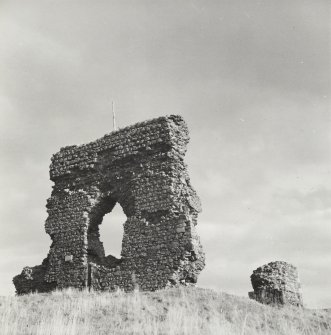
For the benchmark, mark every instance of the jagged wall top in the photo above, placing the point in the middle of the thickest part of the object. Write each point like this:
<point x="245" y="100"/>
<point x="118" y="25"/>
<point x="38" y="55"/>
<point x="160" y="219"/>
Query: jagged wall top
<point x="129" y="141"/>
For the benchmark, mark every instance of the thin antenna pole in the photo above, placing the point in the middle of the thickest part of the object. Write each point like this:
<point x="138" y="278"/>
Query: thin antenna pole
<point x="114" y="115"/>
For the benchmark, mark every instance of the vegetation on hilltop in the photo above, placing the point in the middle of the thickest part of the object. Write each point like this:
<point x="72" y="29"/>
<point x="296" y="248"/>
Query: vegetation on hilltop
<point x="187" y="311"/>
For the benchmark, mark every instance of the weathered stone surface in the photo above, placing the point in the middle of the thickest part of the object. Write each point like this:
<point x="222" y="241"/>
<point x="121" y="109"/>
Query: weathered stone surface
<point x="142" y="168"/>
<point x="276" y="283"/>
<point x="31" y="279"/>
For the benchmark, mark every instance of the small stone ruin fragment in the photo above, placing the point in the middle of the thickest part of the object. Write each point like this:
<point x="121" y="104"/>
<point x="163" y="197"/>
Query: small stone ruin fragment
<point x="276" y="283"/>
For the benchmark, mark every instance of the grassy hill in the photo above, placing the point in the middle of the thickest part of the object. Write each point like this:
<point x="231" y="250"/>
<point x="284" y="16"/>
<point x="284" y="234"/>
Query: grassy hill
<point x="186" y="311"/>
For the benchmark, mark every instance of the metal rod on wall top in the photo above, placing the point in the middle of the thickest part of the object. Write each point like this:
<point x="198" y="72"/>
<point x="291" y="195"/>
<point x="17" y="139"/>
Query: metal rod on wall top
<point x="114" y="115"/>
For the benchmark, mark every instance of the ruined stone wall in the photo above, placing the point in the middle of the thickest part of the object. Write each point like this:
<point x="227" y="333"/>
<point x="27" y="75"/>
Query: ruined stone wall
<point x="276" y="283"/>
<point x="142" y="168"/>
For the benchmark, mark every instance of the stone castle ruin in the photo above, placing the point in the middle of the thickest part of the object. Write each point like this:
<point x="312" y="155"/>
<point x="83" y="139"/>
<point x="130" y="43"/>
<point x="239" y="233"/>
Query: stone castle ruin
<point x="276" y="283"/>
<point x="142" y="168"/>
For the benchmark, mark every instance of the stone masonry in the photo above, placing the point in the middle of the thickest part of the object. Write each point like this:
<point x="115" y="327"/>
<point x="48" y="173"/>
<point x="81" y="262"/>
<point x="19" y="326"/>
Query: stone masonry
<point x="276" y="283"/>
<point x="142" y="168"/>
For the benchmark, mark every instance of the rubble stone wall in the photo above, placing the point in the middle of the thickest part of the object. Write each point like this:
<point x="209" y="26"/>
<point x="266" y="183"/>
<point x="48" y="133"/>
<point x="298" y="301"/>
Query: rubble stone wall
<point x="142" y="168"/>
<point x="276" y="283"/>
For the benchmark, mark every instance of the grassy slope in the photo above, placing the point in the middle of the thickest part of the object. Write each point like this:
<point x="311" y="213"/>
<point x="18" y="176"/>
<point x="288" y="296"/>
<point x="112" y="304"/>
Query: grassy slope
<point x="175" y="311"/>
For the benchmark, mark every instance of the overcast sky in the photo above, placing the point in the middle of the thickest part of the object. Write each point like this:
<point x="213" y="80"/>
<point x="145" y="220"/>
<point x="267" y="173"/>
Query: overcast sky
<point x="252" y="80"/>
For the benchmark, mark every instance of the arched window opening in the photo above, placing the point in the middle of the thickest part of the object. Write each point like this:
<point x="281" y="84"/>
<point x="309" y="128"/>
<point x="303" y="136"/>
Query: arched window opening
<point x="111" y="231"/>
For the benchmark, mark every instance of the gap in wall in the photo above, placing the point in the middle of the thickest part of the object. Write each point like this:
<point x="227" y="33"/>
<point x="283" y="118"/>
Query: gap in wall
<point x="111" y="231"/>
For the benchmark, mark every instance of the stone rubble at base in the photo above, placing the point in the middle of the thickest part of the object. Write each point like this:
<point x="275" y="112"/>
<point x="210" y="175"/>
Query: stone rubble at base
<point x="142" y="168"/>
<point x="276" y="283"/>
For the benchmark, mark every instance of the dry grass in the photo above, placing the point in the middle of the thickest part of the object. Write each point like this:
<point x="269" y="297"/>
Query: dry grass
<point x="174" y="311"/>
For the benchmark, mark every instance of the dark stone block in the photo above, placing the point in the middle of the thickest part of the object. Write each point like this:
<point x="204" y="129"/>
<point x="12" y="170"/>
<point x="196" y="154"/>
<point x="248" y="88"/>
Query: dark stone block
<point x="276" y="283"/>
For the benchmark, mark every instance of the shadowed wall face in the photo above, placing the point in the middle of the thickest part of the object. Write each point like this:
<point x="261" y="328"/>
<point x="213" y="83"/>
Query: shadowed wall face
<point x="276" y="283"/>
<point x="140" y="167"/>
